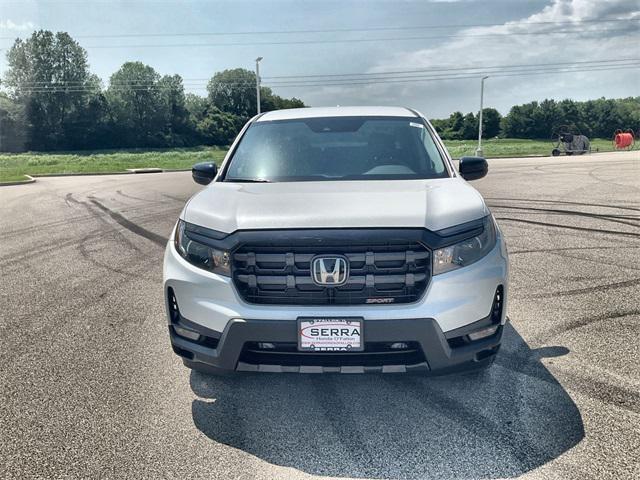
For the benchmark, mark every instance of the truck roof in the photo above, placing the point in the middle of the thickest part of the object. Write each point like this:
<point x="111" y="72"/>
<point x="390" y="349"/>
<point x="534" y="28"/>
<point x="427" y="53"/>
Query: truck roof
<point x="315" y="112"/>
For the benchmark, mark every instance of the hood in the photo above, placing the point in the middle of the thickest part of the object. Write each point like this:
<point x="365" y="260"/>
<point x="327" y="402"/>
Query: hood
<point x="432" y="204"/>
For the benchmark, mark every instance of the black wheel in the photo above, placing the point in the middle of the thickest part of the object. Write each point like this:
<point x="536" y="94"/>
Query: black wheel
<point x="555" y="152"/>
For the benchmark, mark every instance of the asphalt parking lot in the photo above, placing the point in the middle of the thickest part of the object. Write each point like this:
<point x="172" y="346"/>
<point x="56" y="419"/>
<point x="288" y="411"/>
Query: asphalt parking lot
<point x="89" y="386"/>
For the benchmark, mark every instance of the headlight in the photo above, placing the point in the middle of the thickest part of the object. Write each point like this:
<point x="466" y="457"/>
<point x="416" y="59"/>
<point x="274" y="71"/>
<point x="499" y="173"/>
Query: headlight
<point x="200" y="255"/>
<point x="466" y="252"/>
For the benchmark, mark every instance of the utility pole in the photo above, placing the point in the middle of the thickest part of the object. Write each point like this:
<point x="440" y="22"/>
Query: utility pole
<point x="479" y="150"/>
<point x="258" y="82"/>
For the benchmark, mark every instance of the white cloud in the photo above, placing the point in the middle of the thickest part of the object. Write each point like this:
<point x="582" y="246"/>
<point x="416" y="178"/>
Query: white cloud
<point x="532" y="40"/>
<point x="16" y="27"/>
<point x="514" y="44"/>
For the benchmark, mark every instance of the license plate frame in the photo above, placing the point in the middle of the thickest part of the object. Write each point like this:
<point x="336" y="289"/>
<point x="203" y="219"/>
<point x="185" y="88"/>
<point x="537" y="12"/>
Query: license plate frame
<point x="339" y="343"/>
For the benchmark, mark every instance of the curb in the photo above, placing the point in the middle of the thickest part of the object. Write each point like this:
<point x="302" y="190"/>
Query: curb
<point x="81" y="174"/>
<point x="130" y="171"/>
<point x="134" y="171"/>
<point x="145" y="170"/>
<point x="29" y="179"/>
<point x="533" y="155"/>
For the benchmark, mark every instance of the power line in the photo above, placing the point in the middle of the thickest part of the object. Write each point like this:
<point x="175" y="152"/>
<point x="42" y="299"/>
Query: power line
<point x="351" y="40"/>
<point x="412" y="76"/>
<point x="352" y="30"/>
<point x="461" y="76"/>
<point x="456" y="76"/>
<point x="447" y="75"/>
<point x="401" y="79"/>
<point x="354" y="40"/>
<point x="443" y="68"/>
<point x="434" y="70"/>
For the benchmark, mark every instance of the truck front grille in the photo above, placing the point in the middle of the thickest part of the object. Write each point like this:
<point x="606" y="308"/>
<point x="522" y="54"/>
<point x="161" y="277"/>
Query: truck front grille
<point x="379" y="273"/>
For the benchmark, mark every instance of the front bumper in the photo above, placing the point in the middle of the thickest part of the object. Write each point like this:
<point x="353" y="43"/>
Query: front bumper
<point x="454" y="303"/>
<point x="437" y="352"/>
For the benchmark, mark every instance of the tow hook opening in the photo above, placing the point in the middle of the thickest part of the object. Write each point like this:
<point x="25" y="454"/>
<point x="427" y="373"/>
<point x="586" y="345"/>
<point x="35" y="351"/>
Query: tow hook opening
<point x="489" y="352"/>
<point x="182" y="353"/>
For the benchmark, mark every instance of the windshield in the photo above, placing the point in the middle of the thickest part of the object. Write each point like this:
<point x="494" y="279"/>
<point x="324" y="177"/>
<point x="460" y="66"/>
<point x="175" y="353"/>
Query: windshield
<point x="336" y="148"/>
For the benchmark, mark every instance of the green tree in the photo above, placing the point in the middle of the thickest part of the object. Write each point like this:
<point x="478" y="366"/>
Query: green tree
<point x="48" y="74"/>
<point x="568" y="112"/>
<point x="441" y="125"/>
<point x="449" y="128"/>
<point x="546" y="118"/>
<point x="234" y="91"/>
<point x="218" y="127"/>
<point x="176" y="117"/>
<point x="607" y="117"/>
<point x="456" y="120"/>
<point x="137" y="105"/>
<point x="520" y="122"/>
<point x="91" y="129"/>
<point x="270" y="101"/>
<point x="490" y="122"/>
<point x="13" y="125"/>
<point x="469" y="128"/>
<point x="196" y="106"/>
<point x="629" y="110"/>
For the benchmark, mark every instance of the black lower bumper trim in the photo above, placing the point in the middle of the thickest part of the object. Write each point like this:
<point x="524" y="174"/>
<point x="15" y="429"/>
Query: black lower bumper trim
<point x="437" y="355"/>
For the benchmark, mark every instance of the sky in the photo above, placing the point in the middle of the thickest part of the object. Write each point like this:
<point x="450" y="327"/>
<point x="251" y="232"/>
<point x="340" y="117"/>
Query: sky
<point x="366" y="37"/>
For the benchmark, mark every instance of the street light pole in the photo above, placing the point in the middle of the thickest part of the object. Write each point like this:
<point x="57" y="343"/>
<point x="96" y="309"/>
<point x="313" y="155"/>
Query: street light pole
<point x="479" y="150"/>
<point x="258" y="83"/>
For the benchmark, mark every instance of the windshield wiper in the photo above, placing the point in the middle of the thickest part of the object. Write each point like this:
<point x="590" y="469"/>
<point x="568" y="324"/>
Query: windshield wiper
<point x="248" y="180"/>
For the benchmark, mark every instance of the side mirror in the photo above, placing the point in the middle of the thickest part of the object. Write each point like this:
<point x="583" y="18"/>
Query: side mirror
<point x="204" y="173"/>
<point x="473" y="168"/>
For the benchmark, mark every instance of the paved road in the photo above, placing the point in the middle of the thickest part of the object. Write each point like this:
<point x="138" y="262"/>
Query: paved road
<point x="90" y="388"/>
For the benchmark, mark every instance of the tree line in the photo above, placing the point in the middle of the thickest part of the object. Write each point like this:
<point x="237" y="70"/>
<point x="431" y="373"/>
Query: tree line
<point x="50" y="100"/>
<point x="539" y="120"/>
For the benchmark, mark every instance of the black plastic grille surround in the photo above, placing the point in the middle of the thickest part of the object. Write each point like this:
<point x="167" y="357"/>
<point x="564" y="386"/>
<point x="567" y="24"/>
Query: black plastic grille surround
<point x="380" y="272"/>
<point x="374" y="354"/>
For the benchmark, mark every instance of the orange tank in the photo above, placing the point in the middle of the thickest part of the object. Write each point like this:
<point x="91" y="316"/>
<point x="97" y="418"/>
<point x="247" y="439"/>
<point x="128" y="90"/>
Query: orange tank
<point x="623" y="140"/>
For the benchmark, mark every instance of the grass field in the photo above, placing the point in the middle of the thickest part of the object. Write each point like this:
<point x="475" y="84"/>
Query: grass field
<point x="13" y="167"/>
<point x="513" y="147"/>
